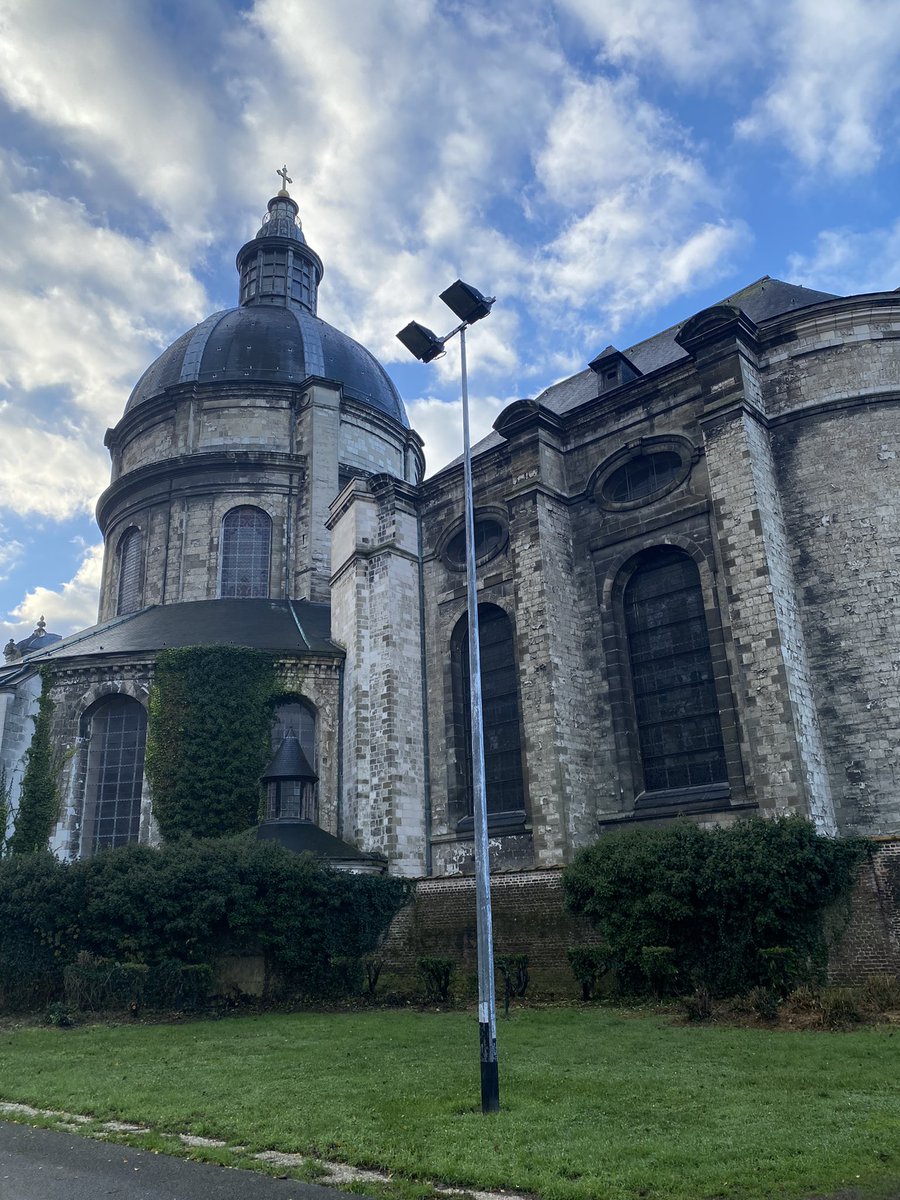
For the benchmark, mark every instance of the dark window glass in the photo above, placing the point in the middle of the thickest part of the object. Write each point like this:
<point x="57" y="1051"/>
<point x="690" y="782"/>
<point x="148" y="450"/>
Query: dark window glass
<point x="642" y="476"/>
<point x="118" y="733"/>
<point x="129" y="598"/>
<point x="672" y="675"/>
<point x="500" y="704"/>
<point x="489" y="535"/>
<point x="246" y="542"/>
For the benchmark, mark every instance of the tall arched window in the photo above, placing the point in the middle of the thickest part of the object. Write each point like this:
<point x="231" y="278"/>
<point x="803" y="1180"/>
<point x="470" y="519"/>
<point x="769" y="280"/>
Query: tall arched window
<point x="129" y="555"/>
<point x="117" y="735"/>
<point x="246" y="549"/>
<point x="500" y="703"/>
<point x="676" y="705"/>
<point x="293" y="798"/>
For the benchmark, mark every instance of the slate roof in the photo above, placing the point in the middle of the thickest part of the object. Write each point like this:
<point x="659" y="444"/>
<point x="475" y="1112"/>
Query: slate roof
<point x="264" y="343"/>
<point x="288" y="626"/>
<point x="760" y="300"/>
<point x="304" y="837"/>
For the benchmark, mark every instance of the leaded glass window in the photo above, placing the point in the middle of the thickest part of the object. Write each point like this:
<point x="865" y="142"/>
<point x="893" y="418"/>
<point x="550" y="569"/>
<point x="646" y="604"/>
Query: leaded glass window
<point x="642" y="477"/>
<point x="115" y="771"/>
<point x="129" y="595"/>
<point x="500" y="704"/>
<point x="246" y="548"/>
<point x="676" y="706"/>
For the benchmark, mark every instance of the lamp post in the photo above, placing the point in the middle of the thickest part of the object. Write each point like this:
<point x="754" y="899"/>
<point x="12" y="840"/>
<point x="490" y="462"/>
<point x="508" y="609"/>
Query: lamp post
<point x="468" y="304"/>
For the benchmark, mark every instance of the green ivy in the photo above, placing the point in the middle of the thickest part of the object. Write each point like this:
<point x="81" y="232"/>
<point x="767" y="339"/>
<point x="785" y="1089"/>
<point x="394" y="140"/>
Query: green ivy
<point x="208" y="738"/>
<point x="39" y="798"/>
<point x="717" y="899"/>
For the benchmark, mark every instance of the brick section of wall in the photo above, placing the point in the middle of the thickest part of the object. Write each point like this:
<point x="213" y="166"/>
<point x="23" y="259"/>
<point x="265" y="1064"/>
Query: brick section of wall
<point x="528" y="918"/>
<point x="870" y="942"/>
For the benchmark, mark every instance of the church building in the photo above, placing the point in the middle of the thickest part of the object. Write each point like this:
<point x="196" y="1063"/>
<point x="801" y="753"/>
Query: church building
<point x="688" y="562"/>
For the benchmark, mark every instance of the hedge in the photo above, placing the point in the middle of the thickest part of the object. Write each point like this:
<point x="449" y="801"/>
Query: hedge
<point x="186" y="903"/>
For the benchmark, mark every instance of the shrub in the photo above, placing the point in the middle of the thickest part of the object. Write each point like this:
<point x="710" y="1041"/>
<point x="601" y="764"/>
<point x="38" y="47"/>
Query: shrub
<point x="778" y="967"/>
<point x="513" y="970"/>
<point x="840" y="1006"/>
<point x="881" y="993"/>
<point x="658" y="965"/>
<point x="436" y="973"/>
<point x="716" y="897"/>
<point x="805" y="999"/>
<point x="373" y="971"/>
<point x="174" y="910"/>
<point x="589" y="964"/>
<point x="39" y="798"/>
<point x="763" y="1002"/>
<point x="698" y="1006"/>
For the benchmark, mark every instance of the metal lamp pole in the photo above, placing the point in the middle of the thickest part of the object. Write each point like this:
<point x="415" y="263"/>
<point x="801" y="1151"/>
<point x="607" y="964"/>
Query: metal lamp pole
<point x="470" y="305"/>
<point x="487" y="1007"/>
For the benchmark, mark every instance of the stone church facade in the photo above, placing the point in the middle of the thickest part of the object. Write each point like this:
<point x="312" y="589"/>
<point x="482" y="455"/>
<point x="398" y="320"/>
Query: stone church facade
<point x="688" y="567"/>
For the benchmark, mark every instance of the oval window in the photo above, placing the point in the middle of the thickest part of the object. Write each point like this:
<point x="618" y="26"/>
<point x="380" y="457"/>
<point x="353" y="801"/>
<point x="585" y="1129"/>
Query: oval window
<point x="489" y="538"/>
<point x="643" y="476"/>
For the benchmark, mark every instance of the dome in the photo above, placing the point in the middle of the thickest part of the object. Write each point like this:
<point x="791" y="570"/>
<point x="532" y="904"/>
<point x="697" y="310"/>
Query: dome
<point x="263" y="343"/>
<point x="275" y="335"/>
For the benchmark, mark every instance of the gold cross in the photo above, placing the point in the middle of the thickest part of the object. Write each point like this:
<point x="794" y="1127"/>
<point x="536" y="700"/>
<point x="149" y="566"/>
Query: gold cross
<point x="285" y="178"/>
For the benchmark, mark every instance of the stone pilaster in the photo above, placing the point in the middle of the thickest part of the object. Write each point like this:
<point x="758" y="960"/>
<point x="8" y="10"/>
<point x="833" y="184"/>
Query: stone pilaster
<point x="375" y="616"/>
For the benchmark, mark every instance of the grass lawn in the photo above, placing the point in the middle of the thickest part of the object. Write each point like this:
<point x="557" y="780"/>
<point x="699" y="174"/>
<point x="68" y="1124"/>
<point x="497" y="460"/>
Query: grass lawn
<point x="596" y="1105"/>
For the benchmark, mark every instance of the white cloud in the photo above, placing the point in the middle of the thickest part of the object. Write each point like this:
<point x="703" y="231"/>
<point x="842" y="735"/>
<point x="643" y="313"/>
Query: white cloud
<point x="645" y="225"/>
<point x="68" y="608"/>
<point x="11" y="552"/>
<point x="848" y="262"/>
<point x="440" y="425"/>
<point x="692" y="40"/>
<point x="833" y="101"/>
<point x="49" y="474"/>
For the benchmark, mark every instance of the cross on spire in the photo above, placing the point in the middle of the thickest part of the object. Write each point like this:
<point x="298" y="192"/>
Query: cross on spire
<point x="285" y="178"/>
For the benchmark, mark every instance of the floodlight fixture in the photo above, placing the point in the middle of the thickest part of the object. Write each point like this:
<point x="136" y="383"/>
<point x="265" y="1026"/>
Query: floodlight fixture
<point x="467" y="302"/>
<point x="421" y="342"/>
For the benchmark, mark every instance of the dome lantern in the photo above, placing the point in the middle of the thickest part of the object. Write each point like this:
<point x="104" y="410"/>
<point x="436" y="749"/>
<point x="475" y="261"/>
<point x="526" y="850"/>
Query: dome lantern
<point x="277" y="266"/>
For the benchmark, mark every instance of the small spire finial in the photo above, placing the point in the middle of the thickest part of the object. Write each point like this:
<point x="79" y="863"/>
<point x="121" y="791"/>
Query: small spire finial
<point x="41" y="628"/>
<point x="285" y="180"/>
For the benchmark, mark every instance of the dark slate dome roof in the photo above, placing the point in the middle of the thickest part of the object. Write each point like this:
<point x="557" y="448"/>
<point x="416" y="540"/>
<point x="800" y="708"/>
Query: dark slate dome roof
<point x="265" y="343"/>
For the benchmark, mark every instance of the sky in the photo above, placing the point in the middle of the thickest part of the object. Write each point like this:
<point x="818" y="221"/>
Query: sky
<point x="605" y="168"/>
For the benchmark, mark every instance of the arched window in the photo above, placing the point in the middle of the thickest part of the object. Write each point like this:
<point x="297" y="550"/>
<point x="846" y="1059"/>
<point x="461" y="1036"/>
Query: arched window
<point x="500" y="704"/>
<point x="129" y="554"/>
<point x="246" y="547"/>
<point x="117" y="735"/>
<point x="294" y="798"/>
<point x="676" y="706"/>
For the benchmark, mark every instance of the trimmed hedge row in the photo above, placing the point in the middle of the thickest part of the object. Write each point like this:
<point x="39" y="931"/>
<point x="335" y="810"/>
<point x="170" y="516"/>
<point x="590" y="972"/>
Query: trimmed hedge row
<point x="185" y="903"/>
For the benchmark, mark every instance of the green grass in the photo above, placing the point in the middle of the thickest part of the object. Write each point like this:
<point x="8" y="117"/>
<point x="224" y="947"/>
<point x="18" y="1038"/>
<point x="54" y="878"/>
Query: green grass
<point x="596" y="1105"/>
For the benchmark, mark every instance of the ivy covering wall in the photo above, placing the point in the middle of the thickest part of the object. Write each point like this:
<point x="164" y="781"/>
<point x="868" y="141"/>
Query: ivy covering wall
<point x="39" y="797"/>
<point x="208" y="738"/>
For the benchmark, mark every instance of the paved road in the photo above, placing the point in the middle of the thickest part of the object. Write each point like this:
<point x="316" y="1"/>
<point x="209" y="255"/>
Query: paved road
<point x="43" y="1164"/>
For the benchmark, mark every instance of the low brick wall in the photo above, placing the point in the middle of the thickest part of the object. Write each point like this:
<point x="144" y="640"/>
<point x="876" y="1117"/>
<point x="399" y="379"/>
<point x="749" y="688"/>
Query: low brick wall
<point x="529" y="917"/>
<point x="869" y="943"/>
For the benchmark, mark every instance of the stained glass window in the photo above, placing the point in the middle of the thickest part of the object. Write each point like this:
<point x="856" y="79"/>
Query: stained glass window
<point x="489" y="538"/>
<point x="246" y="546"/>
<point x="129" y="597"/>
<point x="115" y="770"/>
<point x="643" y="476"/>
<point x="675" y="699"/>
<point x="500" y="704"/>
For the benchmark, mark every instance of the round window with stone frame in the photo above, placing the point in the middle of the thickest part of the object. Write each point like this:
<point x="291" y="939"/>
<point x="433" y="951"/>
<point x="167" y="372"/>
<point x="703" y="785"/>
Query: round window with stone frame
<point x="644" y="474"/>
<point x="491" y="536"/>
